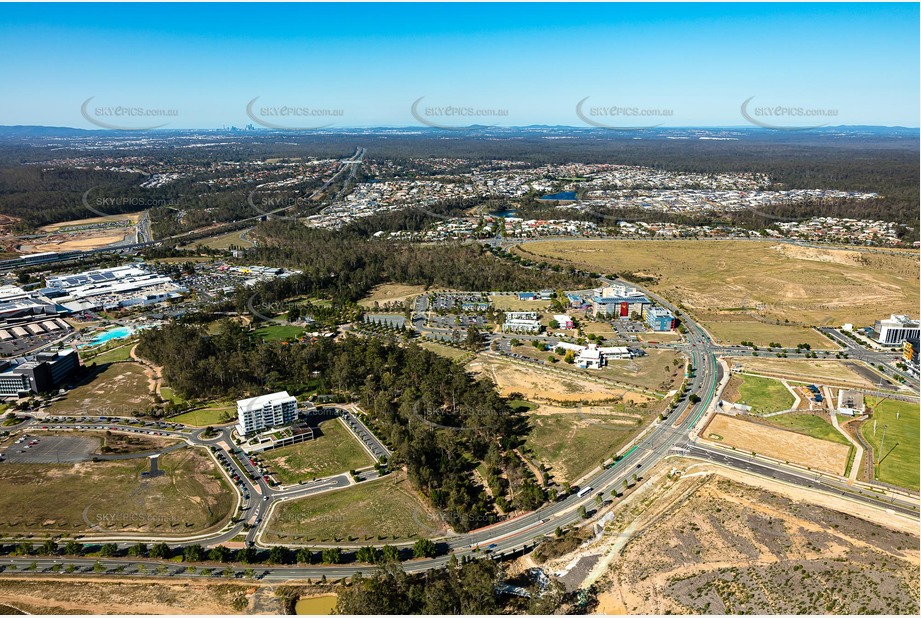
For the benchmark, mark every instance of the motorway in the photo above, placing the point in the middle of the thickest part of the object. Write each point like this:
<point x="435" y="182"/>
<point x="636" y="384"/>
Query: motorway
<point x="509" y="537"/>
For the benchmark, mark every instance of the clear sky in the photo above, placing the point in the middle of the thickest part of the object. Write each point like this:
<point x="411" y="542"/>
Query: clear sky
<point x="535" y="61"/>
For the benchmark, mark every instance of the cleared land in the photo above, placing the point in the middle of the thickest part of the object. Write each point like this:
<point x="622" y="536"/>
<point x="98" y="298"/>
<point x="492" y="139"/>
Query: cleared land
<point x="541" y="385"/>
<point x="653" y="371"/>
<point x="901" y="449"/>
<point x="571" y="444"/>
<point x="386" y="509"/>
<point x="803" y="370"/>
<point x="391" y="293"/>
<point x="120" y="389"/>
<point x="761" y="333"/>
<point x="716" y="546"/>
<point x="766" y="281"/>
<point x="764" y="395"/>
<point x="190" y="495"/>
<point x="510" y="302"/>
<point x="54" y="227"/>
<point x="65" y="595"/>
<point x="790" y="446"/>
<point x="226" y="241"/>
<point x="335" y="451"/>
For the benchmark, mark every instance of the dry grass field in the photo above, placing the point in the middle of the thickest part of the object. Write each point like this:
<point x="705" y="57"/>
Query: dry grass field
<point x="120" y="389"/>
<point x="763" y="280"/>
<point x="111" y="497"/>
<point x="717" y="546"/>
<point x="64" y="595"/>
<point x="382" y="510"/>
<point x="540" y="385"/>
<point x="226" y="241"/>
<point x="803" y="370"/>
<point x="780" y="444"/>
<point x="54" y="227"/>
<point x="391" y="293"/>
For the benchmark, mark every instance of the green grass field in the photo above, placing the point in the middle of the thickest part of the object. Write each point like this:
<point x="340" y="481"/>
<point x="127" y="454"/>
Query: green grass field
<point x="109" y="496"/>
<point x="225" y="241"/>
<point x="121" y="353"/>
<point x="900" y="459"/>
<point x="764" y="395"/>
<point x="383" y="510"/>
<point x="572" y="444"/>
<point x="809" y="425"/>
<point x="215" y="414"/>
<point x="279" y="332"/>
<point x="334" y="452"/>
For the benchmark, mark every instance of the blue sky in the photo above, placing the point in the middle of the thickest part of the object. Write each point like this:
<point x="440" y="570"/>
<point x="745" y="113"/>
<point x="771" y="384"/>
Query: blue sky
<point x="695" y="63"/>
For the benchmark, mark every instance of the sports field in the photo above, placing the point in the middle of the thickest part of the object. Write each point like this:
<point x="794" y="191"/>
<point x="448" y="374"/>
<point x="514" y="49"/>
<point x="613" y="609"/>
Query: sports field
<point x="898" y="458"/>
<point x="388" y="509"/>
<point x="333" y="452"/>
<point x="767" y="280"/>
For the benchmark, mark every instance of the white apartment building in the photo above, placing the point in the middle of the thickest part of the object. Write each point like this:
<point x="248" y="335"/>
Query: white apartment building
<point x="896" y="329"/>
<point x="259" y="413"/>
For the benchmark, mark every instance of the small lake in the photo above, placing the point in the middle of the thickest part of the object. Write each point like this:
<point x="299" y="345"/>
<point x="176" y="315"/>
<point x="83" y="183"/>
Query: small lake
<point x="322" y="605"/>
<point x="505" y="214"/>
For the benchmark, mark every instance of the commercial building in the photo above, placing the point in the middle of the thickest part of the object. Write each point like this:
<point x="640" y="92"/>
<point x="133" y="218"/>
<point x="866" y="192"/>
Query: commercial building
<point x="265" y="411"/>
<point x="619" y="301"/>
<point x="40" y="373"/>
<point x="659" y="319"/>
<point x="592" y="356"/>
<point x="896" y="329"/>
<point x="521" y="322"/>
<point x="111" y="288"/>
<point x="564" y="321"/>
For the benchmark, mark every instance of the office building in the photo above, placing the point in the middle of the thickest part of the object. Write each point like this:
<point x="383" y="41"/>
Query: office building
<point x="895" y="330"/>
<point x="264" y="412"/>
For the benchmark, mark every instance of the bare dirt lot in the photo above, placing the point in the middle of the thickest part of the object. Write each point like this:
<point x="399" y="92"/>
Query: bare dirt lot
<point x="715" y="546"/>
<point x="777" y="443"/>
<point x="540" y="385"/>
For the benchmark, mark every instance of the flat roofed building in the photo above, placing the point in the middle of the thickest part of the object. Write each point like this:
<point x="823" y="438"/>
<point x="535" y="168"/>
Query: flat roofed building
<point x="850" y="402"/>
<point x="896" y="329"/>
<point x="265" y="411"/>
<point x="564" y="321"/>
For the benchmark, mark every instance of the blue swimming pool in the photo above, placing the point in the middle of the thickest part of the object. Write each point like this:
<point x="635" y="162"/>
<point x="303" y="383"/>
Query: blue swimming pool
<point x="116" y="333"/>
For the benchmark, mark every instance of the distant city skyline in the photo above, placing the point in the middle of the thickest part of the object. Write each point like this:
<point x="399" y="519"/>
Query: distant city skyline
<point x="204" y="66"/>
